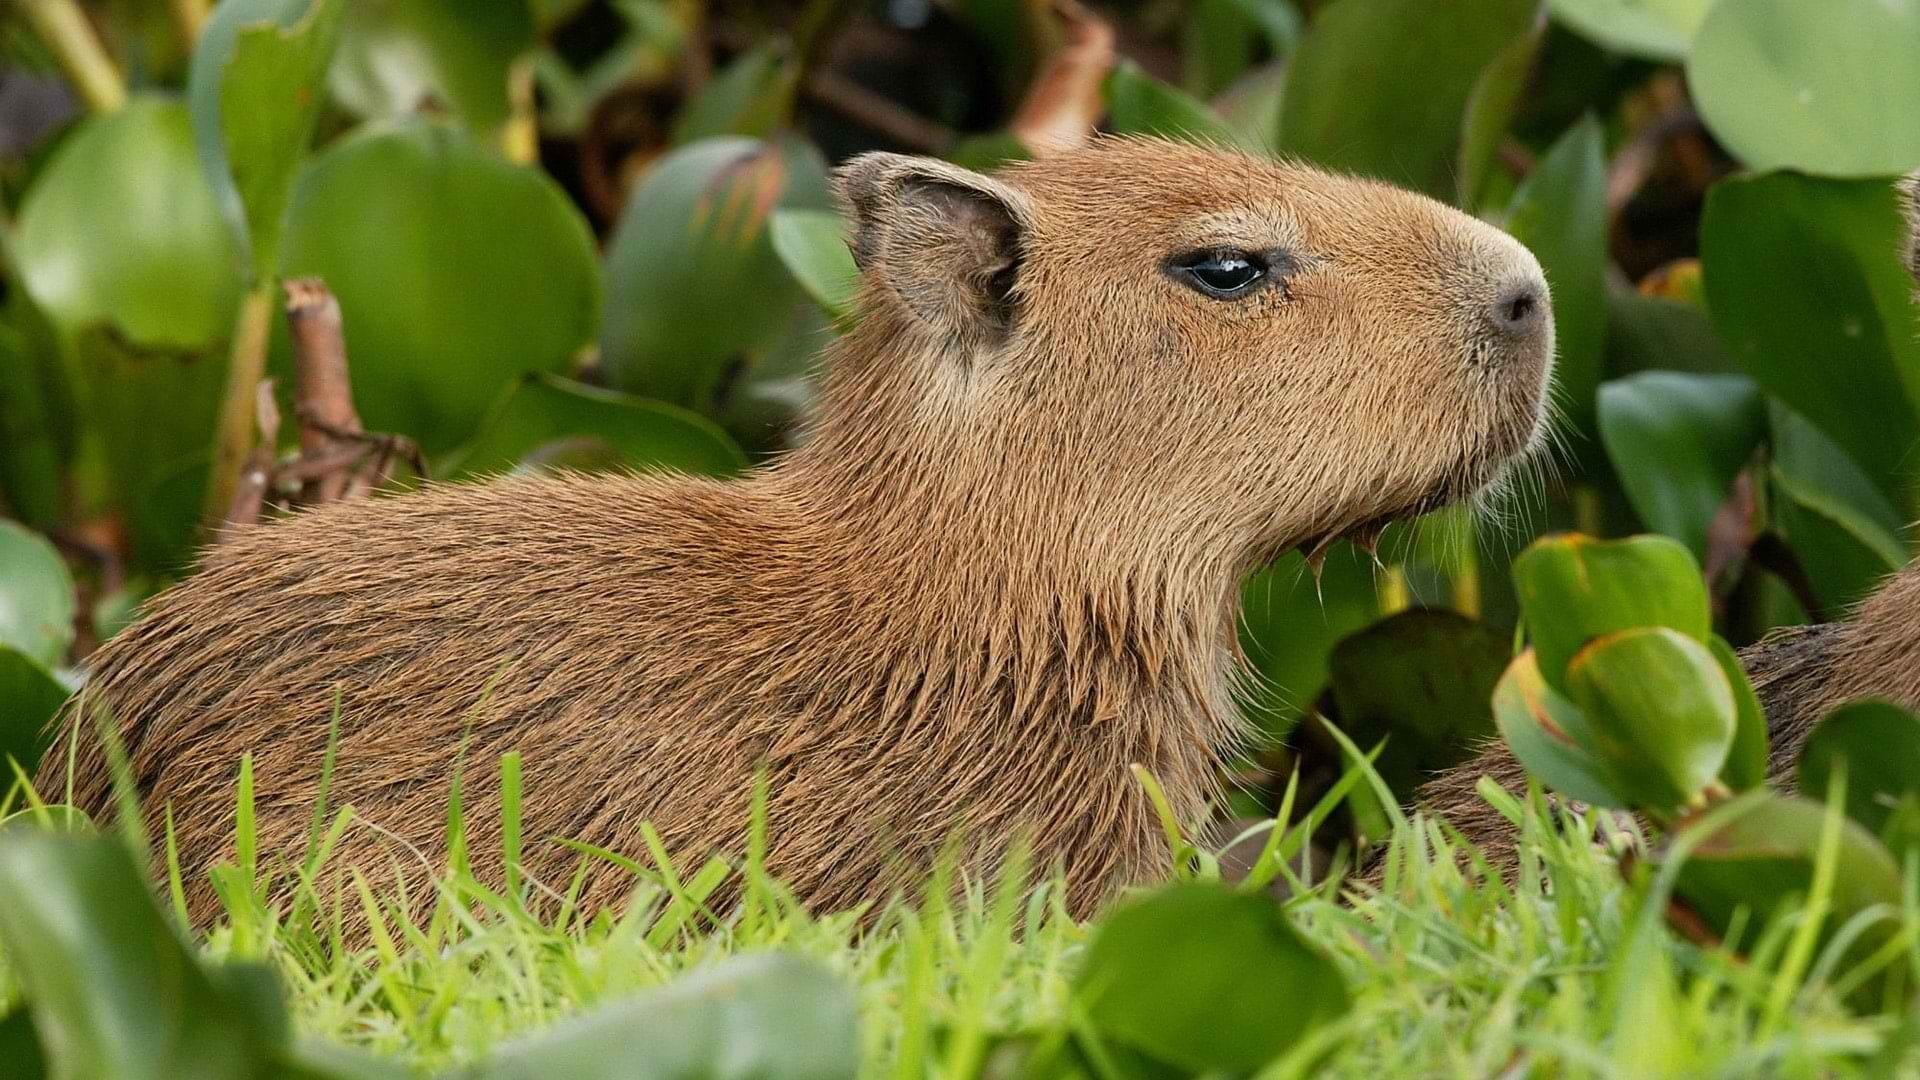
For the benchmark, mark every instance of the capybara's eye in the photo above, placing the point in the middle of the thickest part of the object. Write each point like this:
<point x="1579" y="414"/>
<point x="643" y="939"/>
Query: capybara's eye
<point x="1223" y="275"/>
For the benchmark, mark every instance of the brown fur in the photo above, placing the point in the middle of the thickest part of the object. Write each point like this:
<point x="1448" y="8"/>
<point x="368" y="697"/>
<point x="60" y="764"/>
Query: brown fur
<point x="1800" y="674"/>
<point x="1002" y="568"/>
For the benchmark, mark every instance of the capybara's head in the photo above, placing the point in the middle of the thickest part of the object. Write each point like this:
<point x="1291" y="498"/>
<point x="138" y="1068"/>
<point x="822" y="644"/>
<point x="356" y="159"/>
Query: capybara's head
<point x="1190" y="340"/>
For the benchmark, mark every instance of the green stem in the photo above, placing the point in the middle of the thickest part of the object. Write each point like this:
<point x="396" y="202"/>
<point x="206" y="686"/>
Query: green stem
<point x="70" y="37"/>
<point x="247" y="363"/>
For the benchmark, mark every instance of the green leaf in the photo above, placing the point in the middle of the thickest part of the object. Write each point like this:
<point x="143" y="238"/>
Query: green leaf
<point x="20" y="1046"/>
<point x="112" y="989"/>
<point x="767" y="1017"/>
<point x="1764" y="858"/>
<point x="1423" y="680"/>
<point x="1660" y="714"/>
<point x="29" y="696"/>
<point x="547" y="421"/>
<point x="692" y="278"/>
<point x="1574" y="589"/>
<point x="267" y="59"/>
<point x="1541" y="727"/>
<point x="399" y="56"/>
<point x="121" y="230"/>
<point x="1380" y="87"/>
<point x="36" y="596"/>
<point x="753" y="96"/>
<point x="1803" y="280"/>
<point x="1844" y="531"/>
<point x="1491" y="109"/>
<point x="1139" y="104"/>
<point x="1560" y="212"/>
<point x="1222" y="40"/>
<point x="38" y="415"/>
<point x="1289" y="625"/>
<point x="1653" y="333"/>
<point x="1822" y="88"/>
<point x="1196" y="976"/>
<point x="1654" y="29"/>
<point x="1677" y="441"/>
<point x="1746" y="766"/>
<point x="456" y="273"/>
<point x="1878" y="744"/>
<point x="813" y="245"/>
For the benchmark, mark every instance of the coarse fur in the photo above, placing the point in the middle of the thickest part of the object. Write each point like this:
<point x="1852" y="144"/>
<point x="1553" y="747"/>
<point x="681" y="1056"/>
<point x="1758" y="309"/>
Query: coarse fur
<point x="1800" y="674"/>
<point x="1002" y="568"/>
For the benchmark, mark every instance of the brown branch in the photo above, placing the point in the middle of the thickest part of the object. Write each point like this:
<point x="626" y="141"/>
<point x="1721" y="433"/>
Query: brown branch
<point x="1635" y="162"/>
<point x="323" y="395"/>
<point x="872" y="111"/>
<point x="1065" y="101"/>
<point x="249" y="499"/>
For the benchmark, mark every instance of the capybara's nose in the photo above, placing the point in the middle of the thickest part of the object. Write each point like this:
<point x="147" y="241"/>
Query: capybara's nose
<point x="1520" y="312"/>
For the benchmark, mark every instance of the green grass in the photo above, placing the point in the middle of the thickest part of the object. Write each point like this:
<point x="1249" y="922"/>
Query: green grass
<point x="1569" y="971"/>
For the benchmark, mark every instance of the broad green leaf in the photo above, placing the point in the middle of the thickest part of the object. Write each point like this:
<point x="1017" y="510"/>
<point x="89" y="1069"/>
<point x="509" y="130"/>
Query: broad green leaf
<point x="1380" y="87"/>
<point x="1251" y="108"/>
<point x="765" y="1017"/>
<point x="1878" y="744"/>
<point x="29" y="696"/>
<point x="1805" y="286"/>
<point x="1660" y="714"/>
<point x="456" y="273"/>
<point x="1746" y="766"/>
<point x="1289" y="625"/>
<point x="1491" y="108"/>
<point x="400" y="57"/>
<point x="1654" y="29"/>
<point x="752" y="95"/>
<point x="1560" y="213"/>
<point x="36" y="596"/>
<point x="1765" y="858"/>
<point x="1574" y="589"/>
<point x="121" y="230"/>
<point x="112" y="989"/>
<point x="1223" y="38"/>
<point x="1196" y="975"/>
<point x="1676" y="442"/>
<point x="692" y="278"/>
<point x="1139" y="104"/>
<point x="1823" y="88"/>
<point x="1542" y="729"/>
<point x="1653" y="333"/>
<point x="255" y="90"/>
<point x="813" y="245"/>
<point x="543" y="421"/>
<point x="38" y="415"/>
<point x="1844" y="531"/>
<point x="20" y="1045"/>
<point x="1423" y="680"/>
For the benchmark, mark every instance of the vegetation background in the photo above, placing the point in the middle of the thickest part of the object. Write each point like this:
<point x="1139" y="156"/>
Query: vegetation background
<point x="595" y="234"/>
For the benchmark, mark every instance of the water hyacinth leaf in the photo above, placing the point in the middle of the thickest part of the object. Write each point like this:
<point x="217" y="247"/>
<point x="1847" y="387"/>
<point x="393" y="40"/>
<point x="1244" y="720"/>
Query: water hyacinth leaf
<point x="1542" y="729"/>
<point x="20" y="1046"/>
<point x="1653" y="333"/>
<point x="1846" y="534"/>
<point x="400" y="57"/>
<point x="1878" y="745"/>
<point x="38" y="416"/>
<point x="36" y="596"/>
<point x="692" y="278"/>
<point x="1804" y="281"/>
<point x="1290" y="624"/>
<point x="544" y="421"/>
<point x="1573" y="589"/>
<point x="1765" y="857"/>
<point x="770" y="1016"/>
<point x="1660" y="714"/>
<point x="1191" y="975"/>
<point x="255" y="91"/>
<point x="1676" y="442"/>
<point x="1380" y="87"/>
<point x="442" y="305"/>
<point x="1746" y="766"/>
<point x="813" y="245"/>
<point x="1560" y="212"/>
<point x="138" y="1006"/>
<point x="1491" y="108"/>
<point x="121" y="230"/>
<point x="1819" y="88"/>
<point x="752" y="95"/>
<point x="1422" y="680"/>
<point x="1653" y="29"/>
<point x="1139" y="104"/>
<point x="1223" y="38"/>
<point x="29" y="696"/>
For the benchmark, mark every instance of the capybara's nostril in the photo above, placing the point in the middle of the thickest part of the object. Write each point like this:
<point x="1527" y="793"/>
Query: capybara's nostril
<point x="1519" y="311"/>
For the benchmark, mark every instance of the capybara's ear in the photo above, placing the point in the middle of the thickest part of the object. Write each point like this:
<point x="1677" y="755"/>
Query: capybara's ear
<point x="946" y="241"/>
<point x="1910" y="202"/>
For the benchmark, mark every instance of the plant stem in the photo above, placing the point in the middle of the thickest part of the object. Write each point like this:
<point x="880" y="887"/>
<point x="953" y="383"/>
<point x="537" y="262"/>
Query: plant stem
<point x="70" y="37"/>
<point x="247" y="362"/>
<point x="188" y="15"/>
<point x="520" y="137"/>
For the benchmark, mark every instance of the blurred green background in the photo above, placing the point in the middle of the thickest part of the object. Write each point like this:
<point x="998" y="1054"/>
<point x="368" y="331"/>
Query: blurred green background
<point x="596" y="234"/>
